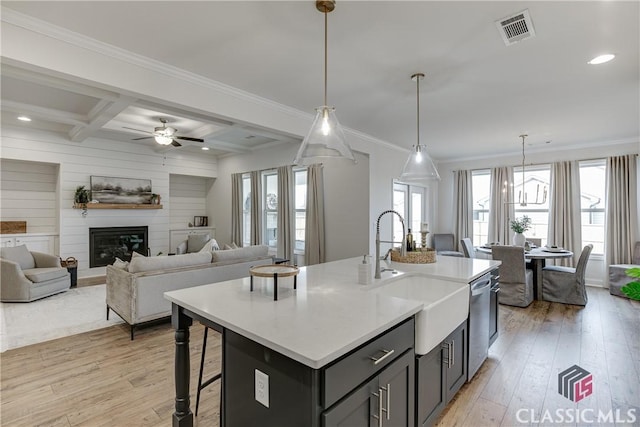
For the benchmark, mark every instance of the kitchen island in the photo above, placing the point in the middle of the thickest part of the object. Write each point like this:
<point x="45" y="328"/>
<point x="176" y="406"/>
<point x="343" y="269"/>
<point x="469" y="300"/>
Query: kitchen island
<point x="321" y="351"/>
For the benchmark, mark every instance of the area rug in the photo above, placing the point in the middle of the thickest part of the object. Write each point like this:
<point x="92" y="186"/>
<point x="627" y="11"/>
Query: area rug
<point x="75" y="311"/>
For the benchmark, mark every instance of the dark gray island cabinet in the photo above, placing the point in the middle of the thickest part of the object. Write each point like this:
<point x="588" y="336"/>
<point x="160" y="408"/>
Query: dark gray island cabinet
<point x="372" y="385"/>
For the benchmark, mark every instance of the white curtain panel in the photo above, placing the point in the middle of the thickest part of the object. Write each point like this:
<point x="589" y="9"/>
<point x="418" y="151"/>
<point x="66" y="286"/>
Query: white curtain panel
<point x="236" y="208"/>
<point x="464" y="207"/>
<point x="565" y="225"/>
<point x="622" y="209"/>
<point x="256" y="208"/>
<point x="501" y="208"/>
<point x="314" y="225"/>
<point x="285" y="212"/>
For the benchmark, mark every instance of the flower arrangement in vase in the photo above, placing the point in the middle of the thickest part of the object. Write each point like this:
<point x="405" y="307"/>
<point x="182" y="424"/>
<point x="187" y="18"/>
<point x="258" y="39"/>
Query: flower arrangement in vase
<point x="519" y="226"/>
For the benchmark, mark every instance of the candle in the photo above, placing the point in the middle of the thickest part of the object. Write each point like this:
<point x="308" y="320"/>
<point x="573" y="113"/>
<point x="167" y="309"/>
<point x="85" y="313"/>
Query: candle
<point x="424" y="227"/>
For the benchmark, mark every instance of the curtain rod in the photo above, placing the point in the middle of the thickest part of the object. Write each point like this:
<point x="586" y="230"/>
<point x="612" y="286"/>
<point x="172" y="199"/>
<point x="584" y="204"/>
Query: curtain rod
<point x="547" y="163"/>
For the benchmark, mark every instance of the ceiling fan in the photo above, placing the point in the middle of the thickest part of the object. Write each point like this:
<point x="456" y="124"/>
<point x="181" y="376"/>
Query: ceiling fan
<point x="165" y="135"/>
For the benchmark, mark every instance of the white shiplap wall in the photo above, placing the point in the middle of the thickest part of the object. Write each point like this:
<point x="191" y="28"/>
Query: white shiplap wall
<point x="188" y="199"/>
<point x="78" y="161"/>
<point x="28" y="193"/>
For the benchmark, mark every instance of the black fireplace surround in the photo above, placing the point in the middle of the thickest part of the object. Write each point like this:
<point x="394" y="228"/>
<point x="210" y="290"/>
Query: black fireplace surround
<point x="108" y="243"/>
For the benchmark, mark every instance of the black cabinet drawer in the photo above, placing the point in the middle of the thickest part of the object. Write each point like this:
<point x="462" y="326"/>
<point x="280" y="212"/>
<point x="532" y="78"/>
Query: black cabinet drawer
<point x="350" y="371"/>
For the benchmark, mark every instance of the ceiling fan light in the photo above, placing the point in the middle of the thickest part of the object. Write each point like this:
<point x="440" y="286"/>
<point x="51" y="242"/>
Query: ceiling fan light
<point x="163" y="140"/>
<point x="325" y="140"/>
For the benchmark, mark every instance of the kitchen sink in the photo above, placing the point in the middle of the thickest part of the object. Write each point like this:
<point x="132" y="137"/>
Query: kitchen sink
<point x="446" y="306"/>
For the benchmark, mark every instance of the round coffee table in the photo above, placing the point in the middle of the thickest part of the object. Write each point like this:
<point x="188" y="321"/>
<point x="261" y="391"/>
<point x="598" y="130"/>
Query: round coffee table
<point x="275" y="271"/>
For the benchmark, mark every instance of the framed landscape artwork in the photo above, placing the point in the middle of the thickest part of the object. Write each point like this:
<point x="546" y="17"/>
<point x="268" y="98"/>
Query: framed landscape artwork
<point x="106" y="189"/>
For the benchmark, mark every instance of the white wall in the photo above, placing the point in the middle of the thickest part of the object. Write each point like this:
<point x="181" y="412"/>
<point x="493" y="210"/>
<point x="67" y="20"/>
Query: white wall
<point x="78" y="161"/>
<point x="188" y="196"/>
<point x="28" y="192"/>
<point x="445" y="212"/>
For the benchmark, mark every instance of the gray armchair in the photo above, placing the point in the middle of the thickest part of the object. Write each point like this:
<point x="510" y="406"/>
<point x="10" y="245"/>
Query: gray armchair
<point x="618" y="276"/>
<point x="27" y="276"/>
<point x="197" y="243"/>
<point x="467" y="248"/>
<point x="566" y="284"/>
<point x="444" y="244"/>
<point x="516" y="282"/>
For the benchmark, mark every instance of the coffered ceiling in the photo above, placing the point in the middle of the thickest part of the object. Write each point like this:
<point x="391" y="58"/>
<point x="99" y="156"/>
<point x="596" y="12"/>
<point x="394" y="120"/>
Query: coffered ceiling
<point x="478" y="95"/>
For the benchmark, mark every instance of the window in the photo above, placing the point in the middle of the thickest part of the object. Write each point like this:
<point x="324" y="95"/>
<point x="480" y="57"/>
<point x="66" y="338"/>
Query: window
<point x="300" y="206"/>
<point x="481" y="189"/>
<point x="592" y="203"/>
<point x="246" y="210"/>
<point x="536" y="180"/>
<point x="270" y="208"/>
<point x="409" y="201"/>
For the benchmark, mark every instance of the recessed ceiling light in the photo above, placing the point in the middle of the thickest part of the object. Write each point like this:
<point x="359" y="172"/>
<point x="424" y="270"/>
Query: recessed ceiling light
<point x="601" y="59"/>
<point x="205" y="148"/>
<point x="24" y="118"/>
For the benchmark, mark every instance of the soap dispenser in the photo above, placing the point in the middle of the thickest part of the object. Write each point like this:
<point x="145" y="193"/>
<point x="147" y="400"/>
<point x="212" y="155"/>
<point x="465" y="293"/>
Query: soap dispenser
<point x="364" y="271"/>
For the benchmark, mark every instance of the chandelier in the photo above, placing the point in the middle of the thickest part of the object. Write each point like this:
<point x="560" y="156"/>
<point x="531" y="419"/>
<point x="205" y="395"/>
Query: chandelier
<point x="523" y="199"/>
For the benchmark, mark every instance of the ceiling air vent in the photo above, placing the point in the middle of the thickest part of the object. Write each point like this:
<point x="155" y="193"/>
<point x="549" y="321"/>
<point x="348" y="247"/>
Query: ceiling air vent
<point x="516" y="27"/>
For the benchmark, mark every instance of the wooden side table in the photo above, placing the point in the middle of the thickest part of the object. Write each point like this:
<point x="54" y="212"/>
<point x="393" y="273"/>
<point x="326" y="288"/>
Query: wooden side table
<point x="275" y="271"/>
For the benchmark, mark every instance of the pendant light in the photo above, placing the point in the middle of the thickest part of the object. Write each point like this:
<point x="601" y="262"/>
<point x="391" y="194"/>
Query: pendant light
<point x="419" y="165"/>
<point x="325" y="139"/>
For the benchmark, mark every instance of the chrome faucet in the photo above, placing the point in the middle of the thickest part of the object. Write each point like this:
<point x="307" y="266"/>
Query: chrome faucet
<point x="403" y="249"/>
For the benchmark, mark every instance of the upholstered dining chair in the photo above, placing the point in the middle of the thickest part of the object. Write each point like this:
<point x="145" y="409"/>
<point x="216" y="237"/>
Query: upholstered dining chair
<point x="444" y="244"/>
<point x="467" y="248"/>
<point x="566" y="284"/>
<point x="516" y="282"/>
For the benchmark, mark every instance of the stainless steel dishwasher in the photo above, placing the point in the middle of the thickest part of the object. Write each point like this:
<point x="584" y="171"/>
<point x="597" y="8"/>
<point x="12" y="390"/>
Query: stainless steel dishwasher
<point x="479" y="313"/>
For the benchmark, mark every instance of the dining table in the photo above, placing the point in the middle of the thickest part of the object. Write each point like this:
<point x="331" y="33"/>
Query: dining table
<point x="538" y="257"/>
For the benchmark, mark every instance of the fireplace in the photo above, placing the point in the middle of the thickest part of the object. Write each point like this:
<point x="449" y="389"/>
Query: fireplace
<point x="107" y="243"/>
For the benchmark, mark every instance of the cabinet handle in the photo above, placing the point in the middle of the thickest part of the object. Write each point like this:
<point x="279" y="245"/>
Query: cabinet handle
<point x="387" y="353"/>
<point x="380" y="408"/>
<point x="449" y="354"/>
<point x="453" y="352"/>
<point x="388" y="391"/>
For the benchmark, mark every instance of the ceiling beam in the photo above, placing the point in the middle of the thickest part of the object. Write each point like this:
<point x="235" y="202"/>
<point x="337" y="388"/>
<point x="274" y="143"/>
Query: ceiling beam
<point x="103" y="112"/>
<point x="44" y="113"/>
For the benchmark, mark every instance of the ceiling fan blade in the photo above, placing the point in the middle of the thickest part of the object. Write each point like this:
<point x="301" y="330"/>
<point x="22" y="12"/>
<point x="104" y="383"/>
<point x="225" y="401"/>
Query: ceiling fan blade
<point x="186" y="138"/>
<point x="138" y="130"/>
<point x="176" y="143"/>
<point x="144" y="137"/>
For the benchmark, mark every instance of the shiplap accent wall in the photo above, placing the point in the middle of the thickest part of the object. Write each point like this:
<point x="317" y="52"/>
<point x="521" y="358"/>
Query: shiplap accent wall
<point x="28" y="192"/>
<point x="188" y="199"/>
<point x="78" y="161"/>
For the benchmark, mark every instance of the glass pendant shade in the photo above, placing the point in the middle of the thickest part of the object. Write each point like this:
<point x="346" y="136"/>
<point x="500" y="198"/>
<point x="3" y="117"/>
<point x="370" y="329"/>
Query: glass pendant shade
<point x="325" y="140"/>
<point x="419" y="166"/>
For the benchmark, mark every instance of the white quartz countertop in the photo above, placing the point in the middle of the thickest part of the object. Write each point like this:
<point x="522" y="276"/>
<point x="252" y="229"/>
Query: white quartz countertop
<point x="326" y="317"/>
<point x="456" y="269"/>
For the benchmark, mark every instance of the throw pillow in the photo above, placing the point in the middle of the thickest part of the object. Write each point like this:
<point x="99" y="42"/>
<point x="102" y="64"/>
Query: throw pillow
<point x="195" y="242"/>
<point x="136" y="254"/>
<point x="233" y="245"/>
<point x="122" y="265"/>
<point x="214" y="245"/>
<point x="19" y="254"/>
<point x="227" y="247"/>
<point x="206" y="247"/>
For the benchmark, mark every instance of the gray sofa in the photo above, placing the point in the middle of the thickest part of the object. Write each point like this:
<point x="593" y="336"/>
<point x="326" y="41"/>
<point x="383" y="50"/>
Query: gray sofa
<point x="27" y="276"/>
<point x="136" y="292"/>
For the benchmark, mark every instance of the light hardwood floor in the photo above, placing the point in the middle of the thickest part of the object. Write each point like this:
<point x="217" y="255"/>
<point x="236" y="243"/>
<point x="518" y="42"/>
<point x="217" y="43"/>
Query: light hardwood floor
<point x="101" y="378"/>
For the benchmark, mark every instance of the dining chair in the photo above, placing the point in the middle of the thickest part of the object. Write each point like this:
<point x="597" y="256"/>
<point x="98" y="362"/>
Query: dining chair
<point x="516" y="282"/>
<point x="444" y="244"/>
<point x="535" y="241"/>
<point x="566" y="284"/>
<point x="467" y="248"/>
